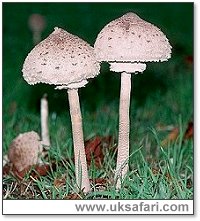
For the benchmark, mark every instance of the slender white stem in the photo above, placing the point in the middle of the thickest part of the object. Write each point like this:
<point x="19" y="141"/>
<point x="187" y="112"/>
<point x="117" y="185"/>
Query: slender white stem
<point x="123" y="137"/>
<point x="44" y="122"/>
<point x="78" y="141"/>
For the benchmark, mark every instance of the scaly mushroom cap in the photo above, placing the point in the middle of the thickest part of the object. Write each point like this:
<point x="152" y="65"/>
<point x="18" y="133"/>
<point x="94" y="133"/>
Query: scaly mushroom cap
<point x="24" y="150"/>
<point x="61" y="59"/>
<point x="131" y="39"/>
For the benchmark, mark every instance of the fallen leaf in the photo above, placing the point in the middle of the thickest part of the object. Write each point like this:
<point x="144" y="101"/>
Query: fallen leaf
<point x="58" y="182"/>
<point x="189" y="131"/>
<point x="171" y="136"/>
<point x="20" y="174"/>
<point x="93" y="150"/>
<point x="99" y="181"/>
<point x="11" y="169"/>
<point x="40" y="170"/>
<point x="35" y="171"/>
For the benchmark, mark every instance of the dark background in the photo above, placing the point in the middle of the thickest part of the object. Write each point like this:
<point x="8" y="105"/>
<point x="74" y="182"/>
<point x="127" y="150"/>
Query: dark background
<point x="86" y="20"/>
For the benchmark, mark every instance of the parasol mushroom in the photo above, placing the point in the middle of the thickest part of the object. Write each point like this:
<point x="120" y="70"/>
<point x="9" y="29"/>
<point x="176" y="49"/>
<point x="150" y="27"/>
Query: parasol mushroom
<point x="67" y="61"/>
<point x="37" y="24"/>
<point x="127" y="43"/>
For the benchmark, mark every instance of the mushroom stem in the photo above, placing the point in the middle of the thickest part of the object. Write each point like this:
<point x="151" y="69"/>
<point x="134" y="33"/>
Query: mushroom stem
<point x="81" y="172"/>
<point x="36" y="37"/>
<point x="123" y="137"/>
<point x="44" y="122"/>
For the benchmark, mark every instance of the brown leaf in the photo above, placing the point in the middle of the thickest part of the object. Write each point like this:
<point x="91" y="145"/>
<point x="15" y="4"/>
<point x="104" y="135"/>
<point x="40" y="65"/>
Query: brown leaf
<point x="20" y="174"/>
<point x="99" y="181"/>
<point x="189" y="131"/>
<point x="36" y="171"/>
<point x="40" y="170"/>
<point x="171" y="136"/>
<point x="94" y="149"/>
<point x="58" y="182"/>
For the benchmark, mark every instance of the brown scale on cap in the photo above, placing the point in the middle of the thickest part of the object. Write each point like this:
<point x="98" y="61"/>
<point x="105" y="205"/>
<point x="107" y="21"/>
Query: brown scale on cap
<point x="61" y="59"/>
<point x="24" y="150"/>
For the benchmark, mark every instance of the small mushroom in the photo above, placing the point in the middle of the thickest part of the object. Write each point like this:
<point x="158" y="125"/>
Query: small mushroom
<point x="127" y="43"/>
<point x="67" y="61"/>
<point x="37" y="24"/>
<point x="24" y="150"/>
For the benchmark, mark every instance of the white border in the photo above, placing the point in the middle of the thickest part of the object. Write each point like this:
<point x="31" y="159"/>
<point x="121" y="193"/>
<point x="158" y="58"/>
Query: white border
<point x="197" y="105"/>
<point x="120" y="207"/>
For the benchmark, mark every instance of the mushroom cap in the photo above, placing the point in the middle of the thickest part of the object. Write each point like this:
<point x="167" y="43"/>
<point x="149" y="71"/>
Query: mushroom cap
<point x="131" y="39"/>
<point x="24" y="150"/>
<point x="37" y="22"/>
<point x="61" y="59"/>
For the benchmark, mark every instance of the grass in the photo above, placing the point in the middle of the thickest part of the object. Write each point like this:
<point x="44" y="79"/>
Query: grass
<point x="156" y="172"/>
<point x="162" y="96"/>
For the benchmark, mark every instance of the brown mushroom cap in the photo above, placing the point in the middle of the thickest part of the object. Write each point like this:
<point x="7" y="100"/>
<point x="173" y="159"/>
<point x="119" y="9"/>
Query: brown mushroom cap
<point x="37" y="22"/>
<point x="61" y="59"/>
<point x="24" y="150"/>
<point x="131" y="39"/>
